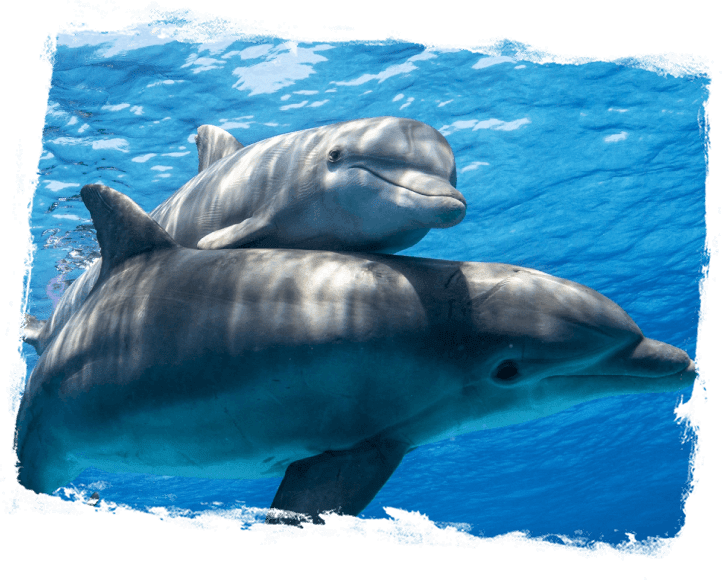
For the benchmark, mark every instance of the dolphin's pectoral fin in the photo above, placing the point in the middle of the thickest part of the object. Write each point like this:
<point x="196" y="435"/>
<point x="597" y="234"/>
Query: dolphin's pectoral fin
<point x="213" y="144"/>
<point x="249" y="231"/>
<point x="337" y="481"/>
<point x="32" y="330"/>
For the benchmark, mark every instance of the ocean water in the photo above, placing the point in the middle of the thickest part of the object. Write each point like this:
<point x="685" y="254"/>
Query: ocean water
<point x="590" y="172"/>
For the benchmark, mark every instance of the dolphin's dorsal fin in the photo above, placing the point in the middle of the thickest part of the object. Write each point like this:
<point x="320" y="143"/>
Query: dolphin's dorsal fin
<point x="213" y="144"/>
<point x="124" y="229"/>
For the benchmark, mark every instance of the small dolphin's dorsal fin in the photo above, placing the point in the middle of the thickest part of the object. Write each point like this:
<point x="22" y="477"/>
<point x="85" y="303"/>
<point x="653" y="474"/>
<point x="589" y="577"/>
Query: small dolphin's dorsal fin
<point x="250" y="231"/>
<point x="213" y="144"/>
<point x="124" y="229"/>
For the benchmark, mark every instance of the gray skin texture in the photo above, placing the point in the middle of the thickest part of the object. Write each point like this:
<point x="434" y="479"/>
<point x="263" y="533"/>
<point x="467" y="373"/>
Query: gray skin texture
<point x="370" y="185"/>
<point x="324" y="366"/>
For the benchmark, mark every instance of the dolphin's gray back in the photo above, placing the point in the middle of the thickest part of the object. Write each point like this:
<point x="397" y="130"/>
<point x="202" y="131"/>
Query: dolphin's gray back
<point x="262" y="177"/>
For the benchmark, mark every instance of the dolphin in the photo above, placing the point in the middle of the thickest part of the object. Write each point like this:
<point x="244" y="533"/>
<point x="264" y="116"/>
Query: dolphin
<point x="375" y="185"/>
<point x="325" y="368"/>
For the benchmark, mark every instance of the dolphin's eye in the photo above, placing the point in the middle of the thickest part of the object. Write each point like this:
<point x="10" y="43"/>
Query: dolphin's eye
<point x="506" y="371"/>
<point x="334" y="155"/>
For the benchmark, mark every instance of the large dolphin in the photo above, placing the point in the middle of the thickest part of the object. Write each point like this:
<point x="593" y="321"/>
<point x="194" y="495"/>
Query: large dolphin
<point x="375" y="185"/>
<point x="326" y="367"/>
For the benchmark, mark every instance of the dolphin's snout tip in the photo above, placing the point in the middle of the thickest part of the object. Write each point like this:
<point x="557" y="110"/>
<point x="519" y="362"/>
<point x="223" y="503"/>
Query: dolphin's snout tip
<point x="457" y="195"/>
<point x="453" y="212"/>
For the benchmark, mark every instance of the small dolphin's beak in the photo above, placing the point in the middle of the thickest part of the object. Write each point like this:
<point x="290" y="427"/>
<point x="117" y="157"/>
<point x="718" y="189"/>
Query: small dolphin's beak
<point x="446" y="202"/>
<point x="419" y="182"/>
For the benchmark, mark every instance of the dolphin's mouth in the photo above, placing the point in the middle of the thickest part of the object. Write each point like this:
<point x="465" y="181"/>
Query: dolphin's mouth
<point x="418" y="182"/>
<point x="690" y="371"/>
<point x="620" y="384"/>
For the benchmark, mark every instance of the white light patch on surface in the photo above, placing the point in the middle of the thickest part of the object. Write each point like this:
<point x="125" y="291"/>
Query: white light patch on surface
<point x="472" y="166"/>
<point x="53" y="185"/>
<point x="119" y="107"/>
<point x="118" y="144"/>
<point x="118" y="41"/>
<point x="391" y="71"/>
<point x="293" y="106"/>
<point x="616" y="137"/>
<point x="491" y="61"/>
<point x="218" y="43"/>
<point x="143" y="158"/>
<point x="284" y="65"/>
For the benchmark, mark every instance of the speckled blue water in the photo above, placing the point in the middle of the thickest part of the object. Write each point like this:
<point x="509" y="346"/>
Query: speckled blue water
<point x="590" y="172"/>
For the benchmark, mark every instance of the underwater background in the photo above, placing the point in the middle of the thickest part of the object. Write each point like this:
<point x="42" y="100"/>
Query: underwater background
<point x="590" y="172"/>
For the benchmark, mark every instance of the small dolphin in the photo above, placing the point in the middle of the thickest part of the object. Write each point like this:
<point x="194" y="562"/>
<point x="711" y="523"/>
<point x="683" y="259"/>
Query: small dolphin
<point x="324" y="367"/>
<point x="375" y="185"/>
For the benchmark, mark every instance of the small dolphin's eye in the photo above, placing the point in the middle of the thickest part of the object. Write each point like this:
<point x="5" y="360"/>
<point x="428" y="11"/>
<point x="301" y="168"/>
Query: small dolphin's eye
<point x="506" y="371"/>
<point x="334" y="155"/>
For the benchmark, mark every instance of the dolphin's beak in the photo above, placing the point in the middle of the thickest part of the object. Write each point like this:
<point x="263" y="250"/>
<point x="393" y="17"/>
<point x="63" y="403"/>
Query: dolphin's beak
<point x="419" y="182"/>
<point x="449" y="203"/>
<point x="652" y="358"/>
<point x="650" y="366"/>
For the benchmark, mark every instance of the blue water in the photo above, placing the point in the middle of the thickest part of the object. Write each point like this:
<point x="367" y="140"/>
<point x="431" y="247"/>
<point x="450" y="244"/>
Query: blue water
<point x="590" y="172"/>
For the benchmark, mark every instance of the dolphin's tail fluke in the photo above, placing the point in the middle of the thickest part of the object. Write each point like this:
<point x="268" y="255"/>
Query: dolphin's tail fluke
<point x="32" y="332"/>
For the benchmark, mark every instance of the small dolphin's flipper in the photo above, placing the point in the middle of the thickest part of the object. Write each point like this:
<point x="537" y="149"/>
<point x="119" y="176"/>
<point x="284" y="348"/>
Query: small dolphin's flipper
<point x="249" y="231"/>
<point x="32" y="330"/>
<point x="213" y="144"/>
<point x="338" y="481"/>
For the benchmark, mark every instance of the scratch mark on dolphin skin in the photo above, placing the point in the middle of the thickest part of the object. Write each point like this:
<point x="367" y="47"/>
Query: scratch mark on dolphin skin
<point x="481" y="298"/>
<point x="236" y="425"/>
<point x="189" y="459"/>
<point x="450" y="313"/>
<point x="271" y="395"/>
<point x="453" y="278"/>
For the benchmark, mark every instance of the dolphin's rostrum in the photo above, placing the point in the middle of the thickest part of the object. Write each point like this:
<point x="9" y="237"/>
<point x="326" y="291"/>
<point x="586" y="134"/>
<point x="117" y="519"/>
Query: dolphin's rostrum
<point x="324" y="367"/>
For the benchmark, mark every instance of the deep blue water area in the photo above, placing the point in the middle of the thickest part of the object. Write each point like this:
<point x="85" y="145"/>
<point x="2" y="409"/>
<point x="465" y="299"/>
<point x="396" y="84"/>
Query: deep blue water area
<point x="591" y="172"/>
